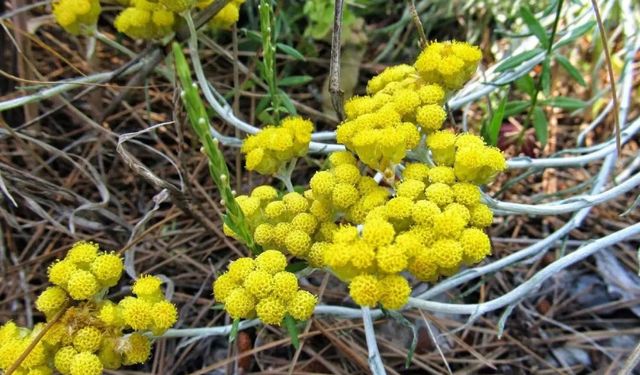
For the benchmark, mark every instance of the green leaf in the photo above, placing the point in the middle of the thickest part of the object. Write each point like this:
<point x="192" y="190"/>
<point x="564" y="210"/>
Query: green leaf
<point x="287" y="103"/>
<point x="534" y="26"/>
<point x="572" y="70"/>
<point x="514" y="107"/>
<point x="292" y="329"/>
<point x="545" y="77"/>
<point x="575" y="34"/>
<point x="565" y="103"/>
<point x="493" y="129"/>
<point x="290" y="51"/>
<point x="540" y="125"/>
<point x="253" y="35"/>
<point x="294" y="80"/>
<point x="235" y="327"/>
<point x="515" y="60"/>
<point x="526" y="84"/>
<point x="296" y="267"/>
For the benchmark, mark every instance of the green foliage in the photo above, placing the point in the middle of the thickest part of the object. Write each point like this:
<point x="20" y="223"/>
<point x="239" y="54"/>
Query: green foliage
<point x="320" y="16"/>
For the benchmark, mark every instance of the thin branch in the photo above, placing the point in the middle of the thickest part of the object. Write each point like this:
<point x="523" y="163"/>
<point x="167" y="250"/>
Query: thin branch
<point x="375" y="360"/>
<point x="418" y="24"/>
<point x="337" y="95"/>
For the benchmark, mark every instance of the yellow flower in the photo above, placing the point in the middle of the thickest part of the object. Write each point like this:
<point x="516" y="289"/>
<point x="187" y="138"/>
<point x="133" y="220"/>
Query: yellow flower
<point x="82" y="253"/>
<point x="391" y="259"/>
<point x="240" y="304"/>
<point x="301" y="306"/>
<point x="263" y="234"/>
<point x="416" y="171"/>
<point x="394" y="291"/>
<point x="51" y="300"/>
<point x="63" y="359"/>
<point x="136" y="349"/>
<point x="466" y="193"/>
<point x="423" y="265"/>
<point x="412" y="189"/>
<point x="285" y="285"/>
<point x="365" y="290"/>
<point x="390" y="74"/>
<point x="341" y="157"/>
<point x="136" y="313"/>
<point x="82" y="285"/>
<point x="399" y="208"/>
<point x="378" y="232"/>
<point x="295" y="203"/>
<point x="87" y="339"/>
<point x="223" y="286"/>
<point x="177" y="5"/>
<point x="259" y="283"/>
<point x="447" y="253"/>
<point x="85" y="363"/>
<point x="271" y="311"/>
<point x="440" y="194"/>
<point x="240" y="268"/>
<point x="344" y="195"/>
<point x="475" y="245"/>
<point x="148" y="287"/>
<point x="60" y="272"/>
<point x="271" y="261"/>
<point x="430" y="117"/>
<point x="76" y="16"/>
<point x="424" y="211"/>
<point x="265" y="193"/>
<point x="107" y="268"/>
<point x="481" y="215"/>
<point x="298" y="242"/>
<point x="164" y="315"/>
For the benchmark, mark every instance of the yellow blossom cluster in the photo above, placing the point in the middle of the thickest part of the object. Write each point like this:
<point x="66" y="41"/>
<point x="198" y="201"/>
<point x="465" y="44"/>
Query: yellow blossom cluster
<point x="262" y="288"/>
<point x="382" y="126"/>
<point x="268" y="150"/>
<point x="95" y="333"/>
<point x="76" y="16"/>
<point x="140" y="19"/>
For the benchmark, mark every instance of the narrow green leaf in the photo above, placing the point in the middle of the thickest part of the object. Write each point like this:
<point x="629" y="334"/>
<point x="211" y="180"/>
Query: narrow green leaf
<point x="526" y="84"/>
<point x="287" y="103"/>
<point x="565" y="103"/>
<point x="253" y="35"/>
<point x="493" y="129"/>
<point x="572" y="70"/>
<point x="545" y="78"/>
<point x="235" y="327"/>
<point x="515" y="107"/>
<point x="296" y="267"/>
<point x="575" y="34"/>
<point x="540" y="125"/>
<point x="534" y="26"/>
<point x="294" y="80"/>
<point x="292" y="329"/>
<point x="515" y="60"/>
<point x="290" y="51"/>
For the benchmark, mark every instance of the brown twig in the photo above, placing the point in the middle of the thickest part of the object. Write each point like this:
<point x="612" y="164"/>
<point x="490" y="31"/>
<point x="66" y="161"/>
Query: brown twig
<point x="337" y="95"/>
<point x="418" y="24"/>
<point x="612" y="78"/>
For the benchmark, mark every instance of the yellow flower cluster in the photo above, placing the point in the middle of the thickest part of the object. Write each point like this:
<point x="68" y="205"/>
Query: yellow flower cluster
<point x="145" y="19"/>
<point x="226" y="17"/>
<point x="268" y="150"/>
<point x="261" y="287"/>
<point x="95" y="334"/>
<point x="76" y="16"/>
<point x="382" y="126"/>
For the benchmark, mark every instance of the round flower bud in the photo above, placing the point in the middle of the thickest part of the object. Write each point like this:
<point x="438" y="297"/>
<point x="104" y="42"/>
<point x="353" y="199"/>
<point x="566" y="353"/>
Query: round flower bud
<point x="298" y="242"/>
<point x="87" y="339"/>
<point x="274" y="209"/>
<point x="431" y="117"/>
<point x="399" y="208"/>
<point x="223" y="286"/>
<point x="82" y="253"/>
<point x="271" y="261"/>
<point x="447" y="254"/>
<point x="394" y="291"/>
<point x="109" y="356"/>
<point x="240" y="268"/>
<point x="63" y="358"/>
<point x="423" y="265"/>
<point x="295" y="203"/>
<point x="137" y="349"/>
<point x="107" y="268"/>
<point x="475" y="245"/>
<point x="240" y="304"/>
<point x="442" y="147"/>
<point x="263" y="234"/>
<point x="51" y="300"/>
<point x="82" y="285"/>
<point x="466" y="193"/>
<point x="302" y="305"/>
<point x="265" y="193"/>
<point x="148" y="287"/>
<point x="136" y="313"/>
<point x="344" y="195"/>
<point x="442" y="174"/>
<point x="481" y="216"/>
<point x="378" y="232"/>
<point x="347" y="173"/>
<point x="391" y="259"/>
<point x="340" y="158"/>
<point x="110" y="314"/>
<point x="305" y="222"/>
<point x="164" y="315"/>
<point x="271" y="311"/>
<point x="285" y="285"/>
<point x="431" y="94"/>
<point x="60" y="272"/>
<point x="365" y="290"/>
<point x="86" y="363"/>
<point x="412" y="189"/>
<point x="259" y="283"/>
<point x="320" y="210"/>
<point x="362" y="255"/>
<point x="440" y="194"/>
<point x="322" y="183"/>
<point x="416" y="171"/>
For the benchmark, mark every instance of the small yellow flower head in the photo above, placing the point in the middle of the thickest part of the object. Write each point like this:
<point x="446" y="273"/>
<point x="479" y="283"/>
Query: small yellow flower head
<point x="51" y="300"/>
<point x="148" y="287"/>
<point x="475" y="245"/>
<point x="410" y="243"/>
<point x="60" y="272"/>
<point x="378" y="232"/>
<point x="391" y="259"/>
<point x="442" y="145"/>
<point x="271" y="311"/>
<point x="399" y="208"/>
<point x="223" y="286"/>
<point x="82" y="285"/>
<point x="82" y="253"/>
<point x="390" y="74"/>
<point x="285" y="285"/>
<point x="449" y="224"/>
<point x="136" y="349"/>
<point x="263" y="234"/>
<point x="468" y="139"/>
<point x="177" y="6"/>
<point x="136" y="313"/>
<point x="85" y="363"/>
<point x="240" y="304"/>
<point x="337" y="255"/>
<point x="345" y="234"/>
<point x="63" y="359"/>
<point x="347" y="173"/>
<point x="431" y="94"/>
<point x="423" y="266"/>
<point x="320" y="210"/>
<point x="274" y="209"/>
<point x="265" y="193"/>
<point x="76" y="16"/>
<point x="315" y="257"/>
<point x="466" y="193"/>
<point x="440" y="194"/>
<point x="259" y="283"/>
<point x="249" y="206"/>
<point x="271" y="261"/>
<point x="361" y="105"/>
<point x="240" y="268"/>
<point x="226" y="17"/>
<point x="424" y="211"/>
<point x="447" y="253"/>
<point x="344" y="195"/>
<point x="412" y="189"/>
<point x="362" y="255"/>
<point x="164" y="315"/>
<point x="302" y="304"/>
<point x="107" y="268"/>
<point x="366" y="185"/>
<point x="87" y="339"/>
<point x="322" y="183"/>
<point x="481" y="215"/>
<point x="416" y="171"/>
<point x="341" y="157"/>
<point x="109" y="356"/>
<point x="110" y="314"/>
<point x="365" y="290"/>
<point x="298" y="242"/>
<point x="478" y="165"/>
<point x="295" y="203"/>
<point x="430" y="117"/>
<point x="163" y="18"/>
<point x="305" y="222"/>
<point x="405" y="101"/>
<point x="459" y="210"/>
<point x="394" y="291"/>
